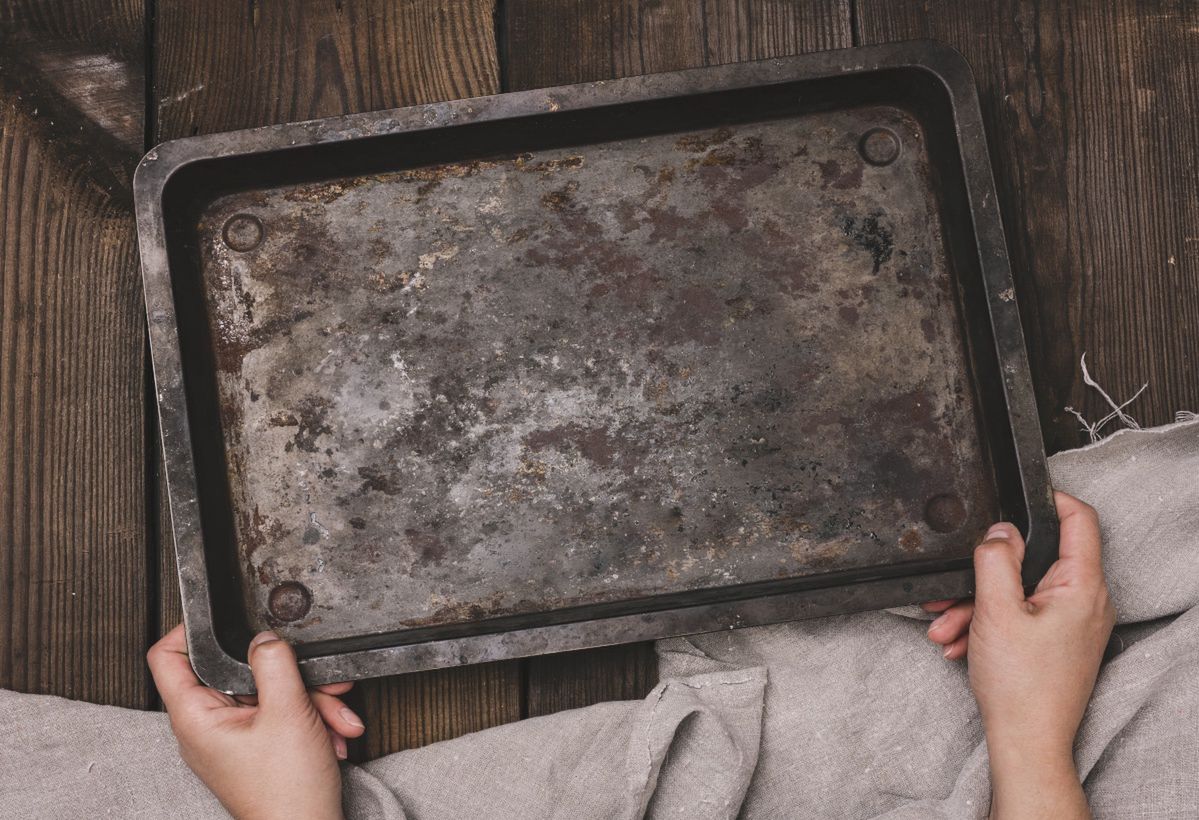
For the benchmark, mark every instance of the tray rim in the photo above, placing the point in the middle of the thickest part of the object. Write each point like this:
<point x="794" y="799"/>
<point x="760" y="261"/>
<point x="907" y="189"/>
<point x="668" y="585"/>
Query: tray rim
<point x="887" y="587"/>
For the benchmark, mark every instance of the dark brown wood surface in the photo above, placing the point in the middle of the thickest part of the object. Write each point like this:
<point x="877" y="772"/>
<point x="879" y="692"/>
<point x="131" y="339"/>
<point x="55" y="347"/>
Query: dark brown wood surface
<point x="74" y="535"/>
<point x="1090" y="109"/>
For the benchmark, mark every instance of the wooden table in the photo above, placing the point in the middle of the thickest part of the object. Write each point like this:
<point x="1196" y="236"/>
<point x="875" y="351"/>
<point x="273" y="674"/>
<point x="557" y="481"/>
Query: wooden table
<point x="1091" y="112"/>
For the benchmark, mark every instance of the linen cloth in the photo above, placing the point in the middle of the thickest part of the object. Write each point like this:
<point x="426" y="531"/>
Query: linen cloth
<point x="847" y="717"/>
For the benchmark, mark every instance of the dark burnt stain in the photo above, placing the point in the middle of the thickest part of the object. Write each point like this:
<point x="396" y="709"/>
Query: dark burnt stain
<point x="666" y="175"/>
<point x="872" y="234"/>
<point x="668" y="224"/>
<point x="848" y="314"/>
<point x="312" y="417"/>
<point x="358" y="523"/>
<point x="929" y="328"/>
<point x="230" y="351"/>
<point x="744" y="305"/>
<point x="698" y="143"/>
<point x="733" y="215"/>
<point x="256" y="530"/>
<point x="382" y="479"/>
<point x="593" y="443"/>
<point x="697" y="316"/>
<point x="832" y="176"/>
<point x="912" y="408"/>
<point x="774" y="399"/>
<point x="312" y="536"/>
<point x="894" y="468"/>
<point x="429" y="548"/>
<point x="627" y="216"/>
<point x="561" y="199"/>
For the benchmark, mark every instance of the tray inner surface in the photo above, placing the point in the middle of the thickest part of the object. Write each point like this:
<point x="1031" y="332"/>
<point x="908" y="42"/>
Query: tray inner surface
<point x="591" y="374"/>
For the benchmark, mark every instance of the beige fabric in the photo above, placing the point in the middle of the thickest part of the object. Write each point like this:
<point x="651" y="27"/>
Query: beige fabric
<point x="847" y="717"/>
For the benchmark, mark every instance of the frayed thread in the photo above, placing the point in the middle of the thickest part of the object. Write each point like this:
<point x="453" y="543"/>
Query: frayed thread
<point x="1092" y="429"/>
<point x="1185" y="415"/>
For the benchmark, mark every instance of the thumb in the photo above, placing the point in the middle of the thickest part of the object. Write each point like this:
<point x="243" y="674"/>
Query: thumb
<point x="997" y="562"/>
<point x="277" y="675"/>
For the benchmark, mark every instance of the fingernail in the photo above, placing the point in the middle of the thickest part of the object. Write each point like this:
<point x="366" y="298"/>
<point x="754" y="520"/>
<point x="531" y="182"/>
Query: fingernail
<point x="263" y="637"/>
<point x="349" y="717"/>
<point x="339" y="746"/>
<point x="936" y="622"/>
<point x="998" y="531"/>
<point x="948" y="649"/>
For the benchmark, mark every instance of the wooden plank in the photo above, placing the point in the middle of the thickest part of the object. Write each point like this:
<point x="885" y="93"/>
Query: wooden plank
<point x="1090" y="112"/>
<point x="234" y="64"/>
<point x="229" y="64"/>
<point x="575" y="679"/>
<point x="413" y="710"/>
<point x="553" y="42"/>
<point x="73" y="549"/>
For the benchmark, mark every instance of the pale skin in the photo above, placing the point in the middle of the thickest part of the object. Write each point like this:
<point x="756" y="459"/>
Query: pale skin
<point x="1032" y="662"/>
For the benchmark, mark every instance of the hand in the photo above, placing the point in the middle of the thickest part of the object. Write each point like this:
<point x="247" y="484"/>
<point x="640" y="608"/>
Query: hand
<point x="273" y="755"/>
<point x="1033" y="661"/>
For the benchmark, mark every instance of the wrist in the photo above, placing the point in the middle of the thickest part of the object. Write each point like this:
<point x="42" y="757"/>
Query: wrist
<point x="1035" y="780"/>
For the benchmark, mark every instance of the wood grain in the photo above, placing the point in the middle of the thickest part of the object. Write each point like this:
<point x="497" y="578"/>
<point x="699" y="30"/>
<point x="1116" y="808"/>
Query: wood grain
<point x="73" y="549"/>
<point x="1090" y="113"/>
<point x="575" y="679"/>
<point x="553" y="42"/>
<point x="414" y="710"/>
<point x="231" y="64"/>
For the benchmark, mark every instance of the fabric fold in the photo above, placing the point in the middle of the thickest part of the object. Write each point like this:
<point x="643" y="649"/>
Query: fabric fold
<point x="690" y="746"/>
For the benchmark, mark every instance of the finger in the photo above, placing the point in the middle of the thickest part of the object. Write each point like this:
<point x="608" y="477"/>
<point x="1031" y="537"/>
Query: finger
<point x="337" y="716"/>
<point x="277" y="675"/>
<point x="957" y="649"/>
<point x="938" y="606"/>
<point x="172" y="670"/>
<point x="952" y="624"/>
<point x="339" y="688"/>
<point x="340" y="747"/>
<point x="1008" y="532"/>
<point x="1080" y="539"/>
<point x="997" y="569"/>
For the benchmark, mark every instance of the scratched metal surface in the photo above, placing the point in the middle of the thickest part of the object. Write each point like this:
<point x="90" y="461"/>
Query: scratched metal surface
<point x="591" y="374"/>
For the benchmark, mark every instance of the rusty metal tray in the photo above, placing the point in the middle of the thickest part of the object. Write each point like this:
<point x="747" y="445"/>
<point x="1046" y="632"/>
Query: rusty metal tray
<point x="584" y="365"/>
